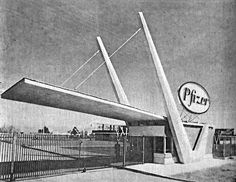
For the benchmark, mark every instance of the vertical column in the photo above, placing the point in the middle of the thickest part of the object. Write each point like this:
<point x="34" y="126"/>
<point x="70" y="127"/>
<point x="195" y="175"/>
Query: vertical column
<point x="164" y="146"/>
<point x="231" y="146"/>
<point x="13" y="155"/>
<point x="154" y="144"/>
<point x="143" y="149"/>
<point x="171" y="145"/>
<point x="224" y="147"/>
<point x="124" y="149"/>
<point x="234" y="143"/>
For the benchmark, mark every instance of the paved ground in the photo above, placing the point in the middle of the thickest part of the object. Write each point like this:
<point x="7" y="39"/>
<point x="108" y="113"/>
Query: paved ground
<point x="104" y="175"/>
<point x="173" y="169"/>
<point x="117" y="175"/>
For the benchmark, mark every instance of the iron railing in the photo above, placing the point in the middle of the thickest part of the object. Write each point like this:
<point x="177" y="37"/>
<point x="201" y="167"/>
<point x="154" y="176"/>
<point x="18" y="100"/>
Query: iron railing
<point x="32" y="155"/>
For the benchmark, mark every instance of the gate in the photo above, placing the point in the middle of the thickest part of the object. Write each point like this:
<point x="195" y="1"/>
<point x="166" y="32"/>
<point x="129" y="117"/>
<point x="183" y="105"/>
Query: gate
<point x="32" y="155"/>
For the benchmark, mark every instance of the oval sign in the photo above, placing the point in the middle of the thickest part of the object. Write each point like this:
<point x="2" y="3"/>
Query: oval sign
<point x="194" y="97"/>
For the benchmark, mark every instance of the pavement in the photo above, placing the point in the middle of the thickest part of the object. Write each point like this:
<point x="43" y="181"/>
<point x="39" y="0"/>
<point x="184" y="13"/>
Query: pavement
<point x="139" y="173"/>
<point x="173" y="169"/>
<point x="103" y="175"/>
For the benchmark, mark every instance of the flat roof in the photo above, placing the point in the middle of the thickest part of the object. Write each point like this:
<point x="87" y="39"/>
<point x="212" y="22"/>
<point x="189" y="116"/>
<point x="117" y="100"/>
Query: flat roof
<point x="34" y="92"/>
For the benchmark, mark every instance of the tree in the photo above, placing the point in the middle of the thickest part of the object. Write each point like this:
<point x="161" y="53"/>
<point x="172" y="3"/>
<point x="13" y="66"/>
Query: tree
<point x="8" y="129"/>
<point x="74" y="131"/>
<point x="45" y="130"/>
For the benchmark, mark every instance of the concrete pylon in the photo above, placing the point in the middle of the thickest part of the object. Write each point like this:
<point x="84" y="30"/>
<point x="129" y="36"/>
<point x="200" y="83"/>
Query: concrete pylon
<point x="119" y="91"/>
<point x="180" y="137"/>
<point x="199" y="152"/>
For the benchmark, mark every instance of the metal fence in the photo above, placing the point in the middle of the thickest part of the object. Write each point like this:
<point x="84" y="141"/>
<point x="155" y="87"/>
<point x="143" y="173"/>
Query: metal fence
<point x="224" y="146"/>
<point x="31" y="155"/>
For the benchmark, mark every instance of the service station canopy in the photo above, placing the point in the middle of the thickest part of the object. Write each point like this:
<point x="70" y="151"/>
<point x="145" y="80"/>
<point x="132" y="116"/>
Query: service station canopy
<point x="30" y="91"/>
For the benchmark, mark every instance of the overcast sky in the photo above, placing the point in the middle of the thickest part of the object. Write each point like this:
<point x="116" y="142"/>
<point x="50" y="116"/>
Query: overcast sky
<point x="47" y="40"/>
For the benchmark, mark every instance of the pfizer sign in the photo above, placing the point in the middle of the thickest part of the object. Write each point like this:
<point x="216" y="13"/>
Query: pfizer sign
<point x="194" y="97"/>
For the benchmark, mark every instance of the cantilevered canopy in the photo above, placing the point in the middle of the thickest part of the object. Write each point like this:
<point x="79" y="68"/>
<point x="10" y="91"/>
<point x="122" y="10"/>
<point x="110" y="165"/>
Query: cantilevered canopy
<point x="30" y="91"/>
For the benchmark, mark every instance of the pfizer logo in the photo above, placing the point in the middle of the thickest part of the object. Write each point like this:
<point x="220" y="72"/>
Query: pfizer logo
<point x="194" y="97"/>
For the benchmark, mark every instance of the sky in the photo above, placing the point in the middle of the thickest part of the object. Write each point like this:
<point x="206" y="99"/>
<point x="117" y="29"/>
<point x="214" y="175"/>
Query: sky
<point x="47" y="40"/>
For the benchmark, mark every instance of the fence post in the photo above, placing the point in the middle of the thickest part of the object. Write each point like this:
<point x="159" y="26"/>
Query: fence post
<point x="124" y="150"/>
<point x="80" y="146"/>
<point x="231" y="153"/>
<point x="143" y="148"/>
<point x="233" y="145"/>
<point x="13" y="154"/>
<point x="223" y="147"/>
<point x="214" y="145"/>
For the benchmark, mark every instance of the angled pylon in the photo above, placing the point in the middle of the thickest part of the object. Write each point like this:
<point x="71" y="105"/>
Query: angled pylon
<point x="119" y="91"/>
<point x="179" y="134"/>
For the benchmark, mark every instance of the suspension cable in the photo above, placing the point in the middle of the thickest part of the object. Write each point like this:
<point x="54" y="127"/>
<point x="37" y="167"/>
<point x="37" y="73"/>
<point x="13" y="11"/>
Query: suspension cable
<point x="80" y="67"/>
<point x="91" y="74"/>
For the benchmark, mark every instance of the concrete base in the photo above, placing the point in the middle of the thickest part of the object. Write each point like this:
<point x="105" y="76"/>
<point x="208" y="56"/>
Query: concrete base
<point x="164" y="158"/>
<point x="208" y="156"/>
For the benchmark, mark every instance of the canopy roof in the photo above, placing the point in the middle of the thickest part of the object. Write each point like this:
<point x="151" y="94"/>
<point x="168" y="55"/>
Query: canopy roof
<point x="31" y="91"/>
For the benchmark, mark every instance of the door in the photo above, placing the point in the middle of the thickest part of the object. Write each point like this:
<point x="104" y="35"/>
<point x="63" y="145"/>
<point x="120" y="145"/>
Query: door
<point x="148" y="150"/>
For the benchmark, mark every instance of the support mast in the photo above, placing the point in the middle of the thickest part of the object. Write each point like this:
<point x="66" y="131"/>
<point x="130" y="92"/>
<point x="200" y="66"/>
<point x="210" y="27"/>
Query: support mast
<point x="177" y="129"/>
<point x="120" y="93"/>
